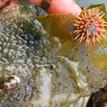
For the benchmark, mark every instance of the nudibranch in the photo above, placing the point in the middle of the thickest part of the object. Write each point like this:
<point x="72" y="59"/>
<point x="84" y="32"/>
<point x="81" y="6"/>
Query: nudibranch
<point x="58" y="6"/>
<point x="8" y="3"/>
<point x="90" y="26"/>
<point x="3" y="3"/>
<point x="51" y="6"/>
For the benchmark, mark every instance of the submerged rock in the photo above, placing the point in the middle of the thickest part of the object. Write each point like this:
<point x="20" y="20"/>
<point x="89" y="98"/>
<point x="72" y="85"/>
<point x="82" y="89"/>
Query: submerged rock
<point x="48" y="76"/>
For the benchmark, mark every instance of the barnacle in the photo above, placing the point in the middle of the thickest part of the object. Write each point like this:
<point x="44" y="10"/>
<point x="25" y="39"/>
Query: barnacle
<point x="9" y="83"/>
<point x="90" y="26"/>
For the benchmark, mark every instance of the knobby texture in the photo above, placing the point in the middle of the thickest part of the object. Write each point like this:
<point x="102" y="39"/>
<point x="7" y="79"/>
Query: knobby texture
<point x="54" y="69"/>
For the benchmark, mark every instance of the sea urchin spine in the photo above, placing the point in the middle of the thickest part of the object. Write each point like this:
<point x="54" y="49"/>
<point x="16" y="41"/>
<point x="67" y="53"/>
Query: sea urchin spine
<point x="90" y="26"/>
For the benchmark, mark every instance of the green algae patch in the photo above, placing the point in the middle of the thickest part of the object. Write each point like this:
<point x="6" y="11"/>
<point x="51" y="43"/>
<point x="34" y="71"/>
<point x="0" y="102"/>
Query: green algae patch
<point x="98" y="55"/>
<point x="58" y="25"/>
<point x="100" y="6"/>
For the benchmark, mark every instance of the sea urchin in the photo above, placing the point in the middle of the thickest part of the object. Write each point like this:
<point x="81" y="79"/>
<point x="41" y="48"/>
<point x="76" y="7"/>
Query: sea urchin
<point x="90" y="26"/>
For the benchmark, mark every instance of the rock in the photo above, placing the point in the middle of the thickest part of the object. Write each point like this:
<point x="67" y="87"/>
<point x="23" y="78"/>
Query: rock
<point x="47" y="77"/>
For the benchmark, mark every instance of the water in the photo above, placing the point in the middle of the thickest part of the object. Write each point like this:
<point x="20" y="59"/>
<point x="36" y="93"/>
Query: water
<point x="85" y="3"/>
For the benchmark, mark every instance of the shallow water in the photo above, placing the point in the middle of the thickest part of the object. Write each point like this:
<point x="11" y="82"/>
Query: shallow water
<point x="85" y="3"/>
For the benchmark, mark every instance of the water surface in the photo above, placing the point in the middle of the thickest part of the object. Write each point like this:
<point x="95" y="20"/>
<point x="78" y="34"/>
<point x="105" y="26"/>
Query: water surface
<point x="85" y="3"/>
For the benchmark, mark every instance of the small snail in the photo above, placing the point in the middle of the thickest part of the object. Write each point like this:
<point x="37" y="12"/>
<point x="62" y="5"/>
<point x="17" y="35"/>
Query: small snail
<point x="10" y="83"/>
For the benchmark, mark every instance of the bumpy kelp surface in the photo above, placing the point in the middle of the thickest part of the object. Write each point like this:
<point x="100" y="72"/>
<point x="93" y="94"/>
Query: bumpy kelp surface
<point x="54" y="69"/>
